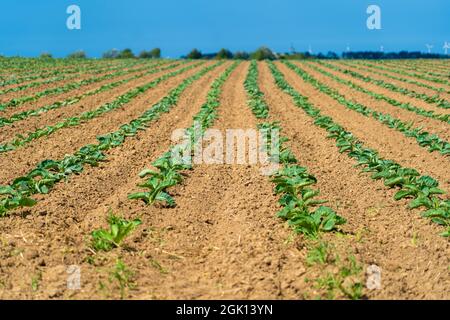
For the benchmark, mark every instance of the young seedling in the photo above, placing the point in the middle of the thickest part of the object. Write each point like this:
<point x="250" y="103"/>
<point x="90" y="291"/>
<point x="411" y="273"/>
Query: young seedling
<point x="119" y="229"/>
<point x="167" y="176"/>
<point x="123" y="276"/>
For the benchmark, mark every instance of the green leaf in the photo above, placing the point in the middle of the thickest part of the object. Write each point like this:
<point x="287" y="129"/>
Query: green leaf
<point x="27" y="202"/>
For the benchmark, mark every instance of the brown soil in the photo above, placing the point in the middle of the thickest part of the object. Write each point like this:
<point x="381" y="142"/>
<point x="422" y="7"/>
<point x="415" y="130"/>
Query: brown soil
<point x="389" y="142"/>
<point x="69" y="140"/>
<point x="223" y="239"/>
<point x="230" y="246"/>
<point x="419" y="71"/>
<point x="401" y="84"/>
<point x="388" y="93"/>
<point x="32" y="91"/>
<point x="38" y="88"/>
<point x="46" y="100"/>
<point x="431" y="125"/>
<point x="383" y="229"/>
<point x="86" y="104"/>
<point x="55" y="225"/>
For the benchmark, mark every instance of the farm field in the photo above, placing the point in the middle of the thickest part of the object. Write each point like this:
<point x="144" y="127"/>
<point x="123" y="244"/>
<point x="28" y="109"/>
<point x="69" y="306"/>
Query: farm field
<point x="358" y="209"/>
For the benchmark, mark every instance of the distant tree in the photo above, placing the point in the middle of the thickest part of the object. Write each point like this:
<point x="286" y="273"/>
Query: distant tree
<point x="126" y="54"/>
<point x="224" y="54"/>
<point x="263" y="53"/>
<point x="194" y="54"/>
<point x="77" y="55"/>
<point x="145" y="55"/>
<point x="111" y="54"/>
<point x="155" y="53"/>
<point x="332" y="55"/>
<point x="46" y="55"/>
<point x="241" y="55"/>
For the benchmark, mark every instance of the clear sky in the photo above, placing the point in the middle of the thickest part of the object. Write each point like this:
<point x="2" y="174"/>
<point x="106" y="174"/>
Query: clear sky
<point x="29" y="27"/>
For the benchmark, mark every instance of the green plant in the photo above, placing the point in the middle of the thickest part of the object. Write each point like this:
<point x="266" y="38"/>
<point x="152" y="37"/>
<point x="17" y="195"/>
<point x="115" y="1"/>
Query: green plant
<point x="423" y="138"/>
<point x="36" y="281"/>
<point x="407" y="180"/>
<point x="119" y="102"/>
<point x="49" y="172"/>
<point x="344" y="281"/>
<point x="167" y="176"/>
<point x="298" y="200"/>
<point x="123" y="276"/>
<point x="119" y="229"/>
<point x="318" y="253"/>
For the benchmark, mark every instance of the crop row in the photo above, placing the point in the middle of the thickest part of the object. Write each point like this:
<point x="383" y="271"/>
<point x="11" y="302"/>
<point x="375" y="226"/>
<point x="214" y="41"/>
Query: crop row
<point x="19" y="66"/>
<point x="52" y="91"/>
<point x="304" y="213"/>
<point x="425" y="139"/>
<point x="419" y="68"/>
<point x="43" y="74"/>
<point x="292" y="181"/>
<point x="391" y="101"/>
<point x="4" y="121"/>
<point x="49" y="172"/>
<point x="66" y="77"/>
<point x="438" y="101"/>
<point x="171" y="163"/>
<point x="406" y="73"/>
<point x="423" y="191"/>
<point x="366" y="68"/>
<point x="119" y="102"/>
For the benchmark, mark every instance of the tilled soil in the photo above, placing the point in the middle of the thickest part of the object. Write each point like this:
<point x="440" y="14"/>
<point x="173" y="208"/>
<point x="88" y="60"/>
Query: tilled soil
<point x="388" y="93"/>
<point x="390" y="143"/>
<point x="431" y="125"/>
<point x="431" y="83"/>
<point x="56" y="224"/>
<point x="223" y="239"/>
<point x="46" y="100"/>
<point x="401" y="84"/>
<point x="73" y="78"/>
<point x="86" y="104"/>
<point x="69" y="140"/>
<point x="383" y="229"/>
<point x="40" y="87"/>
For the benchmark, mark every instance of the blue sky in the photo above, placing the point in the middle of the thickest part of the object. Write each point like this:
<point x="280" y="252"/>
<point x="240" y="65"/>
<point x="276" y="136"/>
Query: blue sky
<point x="29" y="27"/>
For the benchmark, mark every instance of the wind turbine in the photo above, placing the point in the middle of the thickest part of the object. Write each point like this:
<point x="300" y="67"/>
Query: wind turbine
<point x="382" y="48"/>
<point x="446" y="47"/>
<point x="348" y="48"/>
<point x="292" y="48"/>
<point x="429" y="47"/>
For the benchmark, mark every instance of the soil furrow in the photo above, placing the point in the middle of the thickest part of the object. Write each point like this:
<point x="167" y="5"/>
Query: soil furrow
<point x="390" y="143"/>
<point x="85" y="104"/>
<point x="68" y="140"/>
<point x="49" y="99"/>
<point x="386" y="92"/>
<point x="381" y="230"/>
<point x="434" y="126"/>
<point x="392" y="72"/>
<point x="59" y="83"/>
<point x="401" y="84"/>
<point x="74" y="209"/>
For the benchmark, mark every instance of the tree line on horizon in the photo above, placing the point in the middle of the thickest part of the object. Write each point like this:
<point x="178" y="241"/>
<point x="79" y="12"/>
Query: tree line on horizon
<point x="262" y="53"/>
